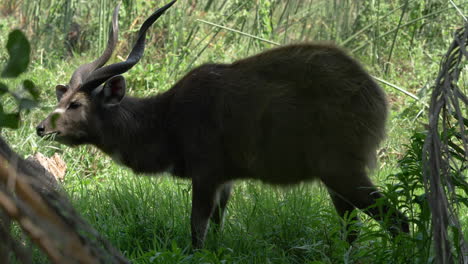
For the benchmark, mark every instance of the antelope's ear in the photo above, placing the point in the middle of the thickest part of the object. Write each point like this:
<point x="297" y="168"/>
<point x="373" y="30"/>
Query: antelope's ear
<point x="113" y="90"/>
<point x="60" y="90"/>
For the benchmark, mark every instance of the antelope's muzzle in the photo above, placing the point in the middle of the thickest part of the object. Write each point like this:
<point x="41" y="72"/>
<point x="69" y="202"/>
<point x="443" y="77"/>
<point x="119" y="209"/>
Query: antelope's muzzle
<point x="40" y="129"/>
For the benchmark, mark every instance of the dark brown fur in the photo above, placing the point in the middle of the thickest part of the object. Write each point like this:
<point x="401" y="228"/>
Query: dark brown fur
<point x="287" y="115"/>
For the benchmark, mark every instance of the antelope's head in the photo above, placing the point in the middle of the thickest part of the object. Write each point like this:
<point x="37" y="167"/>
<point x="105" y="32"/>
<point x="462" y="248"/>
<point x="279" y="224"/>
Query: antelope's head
<point x="92" y="88"/>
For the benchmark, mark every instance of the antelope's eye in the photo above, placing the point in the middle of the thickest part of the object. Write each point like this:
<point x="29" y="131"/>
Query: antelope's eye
<point x="74" y="105"/>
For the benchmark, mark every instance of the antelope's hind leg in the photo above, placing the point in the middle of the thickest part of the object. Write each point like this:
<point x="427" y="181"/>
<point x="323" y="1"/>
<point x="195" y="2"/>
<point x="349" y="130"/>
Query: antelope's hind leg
<point x="224" y="192"/>
<point x="204" y="201"/>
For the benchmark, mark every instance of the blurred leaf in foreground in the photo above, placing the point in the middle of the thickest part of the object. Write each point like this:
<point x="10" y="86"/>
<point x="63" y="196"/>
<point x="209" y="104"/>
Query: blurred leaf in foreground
<point x="10" y="120"/>
<point x="19" y="49"/>
<point x="3" y="89"/>
<point x="29" y="86"/>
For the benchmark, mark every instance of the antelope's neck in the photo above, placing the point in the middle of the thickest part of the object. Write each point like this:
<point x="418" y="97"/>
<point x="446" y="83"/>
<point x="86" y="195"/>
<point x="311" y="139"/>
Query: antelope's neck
<point x="134" y="134"/>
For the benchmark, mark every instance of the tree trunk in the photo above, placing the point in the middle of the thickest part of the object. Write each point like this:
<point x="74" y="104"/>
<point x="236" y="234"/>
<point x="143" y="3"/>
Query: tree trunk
<point x="31" y="197"/>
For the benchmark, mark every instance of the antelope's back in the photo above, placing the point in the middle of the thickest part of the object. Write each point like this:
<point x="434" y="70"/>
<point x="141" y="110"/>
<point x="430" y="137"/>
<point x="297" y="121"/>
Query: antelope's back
<point x="291" y="113"/>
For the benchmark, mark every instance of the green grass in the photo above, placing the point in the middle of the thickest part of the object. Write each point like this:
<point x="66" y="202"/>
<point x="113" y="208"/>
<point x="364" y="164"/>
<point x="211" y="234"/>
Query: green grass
<point x="147" y="217"/>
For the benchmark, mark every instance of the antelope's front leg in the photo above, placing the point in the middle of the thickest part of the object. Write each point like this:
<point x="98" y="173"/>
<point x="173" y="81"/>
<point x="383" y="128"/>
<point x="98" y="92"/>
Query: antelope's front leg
<point x="204" y="199"/>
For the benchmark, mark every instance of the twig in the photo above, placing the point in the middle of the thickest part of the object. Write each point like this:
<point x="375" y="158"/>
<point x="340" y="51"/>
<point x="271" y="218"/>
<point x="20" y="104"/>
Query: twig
<point x="239" y="32"/>
<point x="459" y="11"/>
<point x="401" y="90"/>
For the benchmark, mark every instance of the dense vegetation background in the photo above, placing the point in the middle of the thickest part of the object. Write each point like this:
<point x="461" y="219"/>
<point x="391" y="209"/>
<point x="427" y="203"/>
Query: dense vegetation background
<point x="147" y="218"/>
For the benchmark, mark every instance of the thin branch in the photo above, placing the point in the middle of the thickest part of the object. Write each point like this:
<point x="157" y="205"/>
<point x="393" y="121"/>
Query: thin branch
<point x="401" y="90"/>
<point x="459" y="11"/>
<point x="240" y="32"/>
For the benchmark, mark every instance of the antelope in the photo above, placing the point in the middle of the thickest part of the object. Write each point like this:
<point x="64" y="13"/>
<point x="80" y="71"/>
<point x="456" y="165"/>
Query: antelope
<point x="290" y="114"/>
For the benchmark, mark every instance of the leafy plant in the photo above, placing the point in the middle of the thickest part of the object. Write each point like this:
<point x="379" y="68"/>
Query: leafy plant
<point x="409" y="190"/>
<point x="19" y="50"/>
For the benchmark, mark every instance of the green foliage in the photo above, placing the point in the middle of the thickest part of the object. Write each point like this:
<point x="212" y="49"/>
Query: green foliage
<point x="19" y="51"/>
<point x="409" y="191"/>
